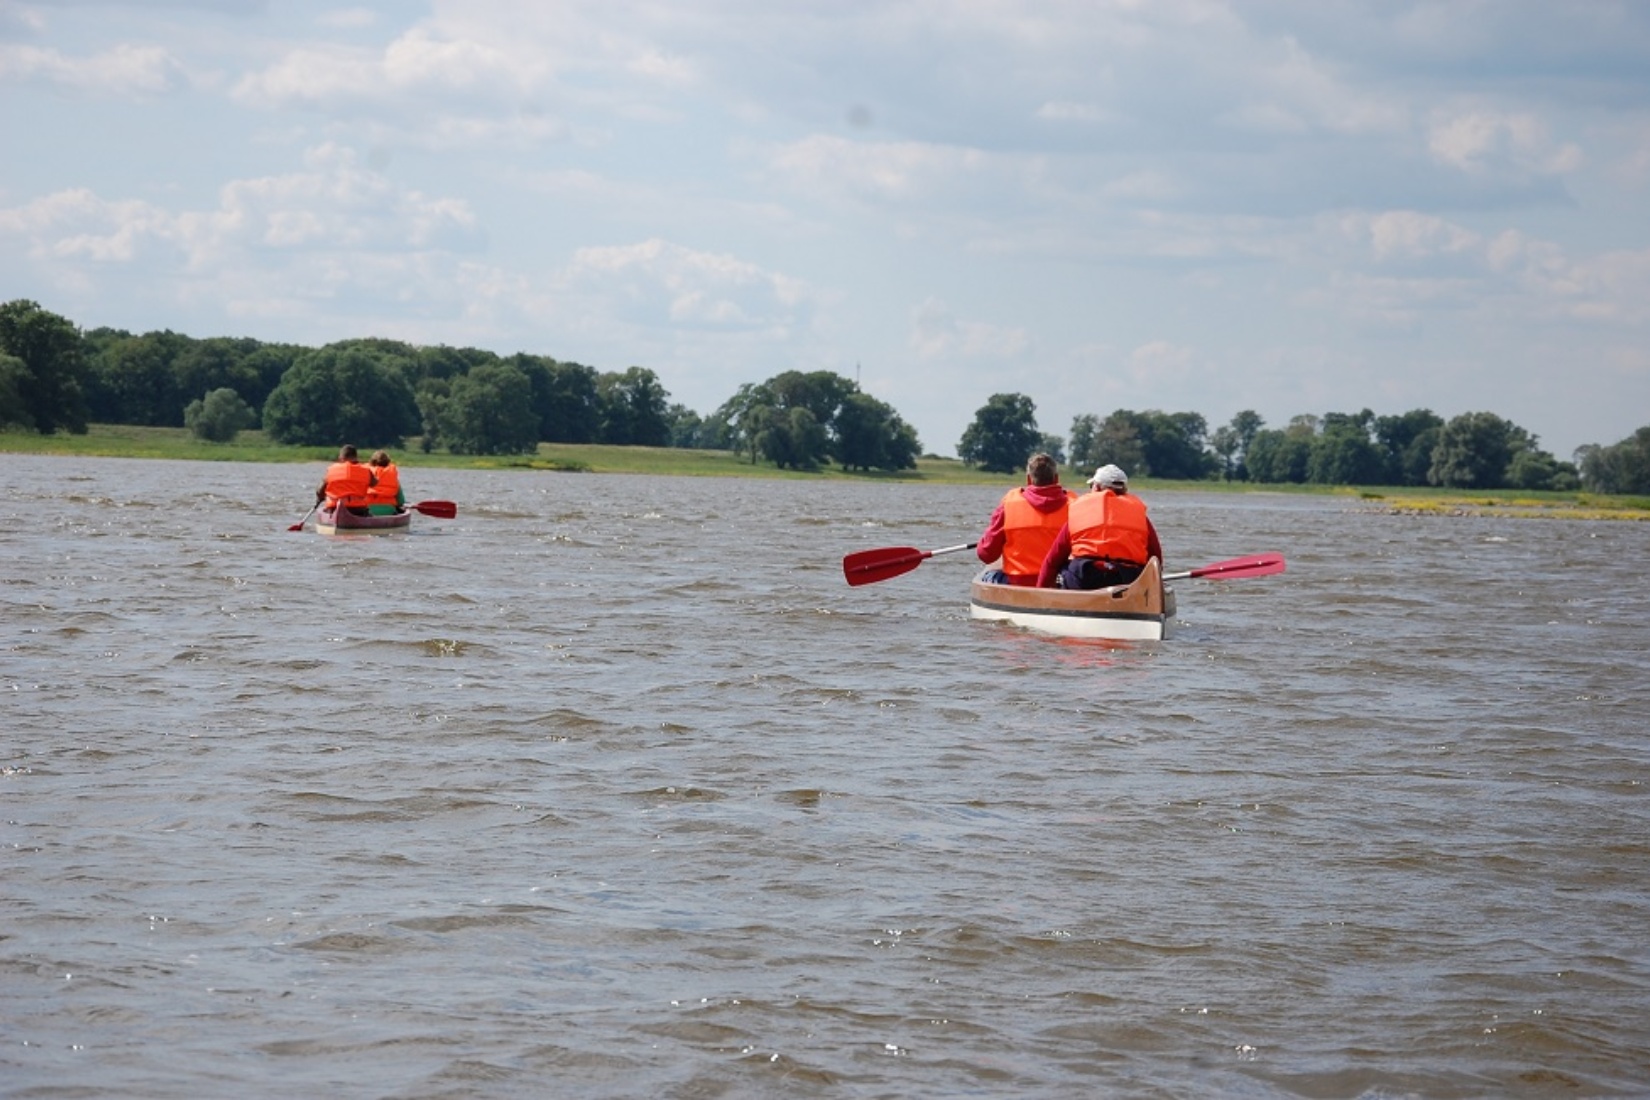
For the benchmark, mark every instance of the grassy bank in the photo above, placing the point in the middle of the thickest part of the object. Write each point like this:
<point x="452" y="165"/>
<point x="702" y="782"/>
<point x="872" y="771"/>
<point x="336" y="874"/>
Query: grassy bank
<point x="126" y="441"/>
<point x="129" y="441"/>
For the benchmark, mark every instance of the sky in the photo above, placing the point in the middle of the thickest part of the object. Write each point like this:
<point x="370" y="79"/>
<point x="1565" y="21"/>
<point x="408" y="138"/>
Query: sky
<point x="1289" y="206"/>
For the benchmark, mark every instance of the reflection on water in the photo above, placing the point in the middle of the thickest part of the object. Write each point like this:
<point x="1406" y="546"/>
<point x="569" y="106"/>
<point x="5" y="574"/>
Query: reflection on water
<point x="611" y="786"/>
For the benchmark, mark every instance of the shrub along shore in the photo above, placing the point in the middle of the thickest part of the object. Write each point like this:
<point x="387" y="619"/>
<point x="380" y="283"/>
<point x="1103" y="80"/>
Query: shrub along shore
<point x="127" y="441"/>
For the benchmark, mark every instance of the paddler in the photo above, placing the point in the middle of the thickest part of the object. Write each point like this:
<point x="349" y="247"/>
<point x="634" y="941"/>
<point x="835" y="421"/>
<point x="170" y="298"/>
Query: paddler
<point x="1107" y="539"/>
<point x="347" y="482"/>
<point x="385" y="497"/>
<point x="1024" y="524"/>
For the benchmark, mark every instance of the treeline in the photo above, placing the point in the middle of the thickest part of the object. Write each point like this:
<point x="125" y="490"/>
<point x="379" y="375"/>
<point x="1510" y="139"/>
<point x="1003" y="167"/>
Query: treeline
<point x="377" y="393"/>
<point x="1476" y="450"/>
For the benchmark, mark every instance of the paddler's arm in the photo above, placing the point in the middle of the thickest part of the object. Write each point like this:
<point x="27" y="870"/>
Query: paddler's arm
<point x="1056" y="558"/>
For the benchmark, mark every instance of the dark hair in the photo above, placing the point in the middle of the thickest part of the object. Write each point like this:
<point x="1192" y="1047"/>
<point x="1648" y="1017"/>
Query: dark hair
<point x="347" y="452"/>
<point x="1041" y="470"/>
<point x="379" y="458"/>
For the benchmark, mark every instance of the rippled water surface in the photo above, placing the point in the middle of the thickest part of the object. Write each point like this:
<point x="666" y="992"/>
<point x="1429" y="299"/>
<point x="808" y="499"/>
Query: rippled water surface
<point x="611" y="786"/>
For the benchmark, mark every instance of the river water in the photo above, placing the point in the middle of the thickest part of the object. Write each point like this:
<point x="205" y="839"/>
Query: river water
<point x="612" y="787"/>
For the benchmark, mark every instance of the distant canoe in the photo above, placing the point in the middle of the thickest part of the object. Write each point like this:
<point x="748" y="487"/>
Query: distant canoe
<point x="1140" y="611"/>
<point x="342" y="521"/>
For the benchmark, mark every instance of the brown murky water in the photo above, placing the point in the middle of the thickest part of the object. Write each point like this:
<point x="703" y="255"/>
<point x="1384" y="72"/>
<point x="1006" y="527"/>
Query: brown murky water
<point x="612" y="787"/>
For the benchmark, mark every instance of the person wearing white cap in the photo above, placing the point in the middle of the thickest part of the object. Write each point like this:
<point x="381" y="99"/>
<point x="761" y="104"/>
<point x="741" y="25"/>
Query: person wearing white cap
<point x="1107" y="538"/>
<point x="1022" y="528"/>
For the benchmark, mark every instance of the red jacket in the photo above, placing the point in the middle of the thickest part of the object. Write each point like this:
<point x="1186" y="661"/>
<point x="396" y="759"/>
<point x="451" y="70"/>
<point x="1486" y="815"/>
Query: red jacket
<point x="1031" y="539"/>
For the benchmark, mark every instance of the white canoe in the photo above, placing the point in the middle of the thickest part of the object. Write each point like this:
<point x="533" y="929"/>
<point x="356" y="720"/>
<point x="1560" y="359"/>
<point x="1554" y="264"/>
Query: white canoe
<point x="1140" y="611"/>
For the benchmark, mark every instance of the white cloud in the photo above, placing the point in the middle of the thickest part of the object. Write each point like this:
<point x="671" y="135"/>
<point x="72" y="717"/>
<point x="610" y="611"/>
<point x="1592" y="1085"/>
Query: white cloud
<point x="416" y="66"/>
<point x="936" y="333"/>
<point x="1406" y="234"/>
<point x="335" y="207"/>
<point x="665" y="284"/>
<point x="123" y="70"/>
<point x="841" y="169"/>
<point x="1475" y="139"/>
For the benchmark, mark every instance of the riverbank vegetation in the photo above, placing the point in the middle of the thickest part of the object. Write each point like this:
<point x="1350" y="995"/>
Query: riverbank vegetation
<point x="242" y="399"/>
<point x="132" y="441"/>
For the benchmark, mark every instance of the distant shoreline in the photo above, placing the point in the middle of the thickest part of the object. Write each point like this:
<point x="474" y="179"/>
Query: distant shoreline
<point x="128" y="441"/>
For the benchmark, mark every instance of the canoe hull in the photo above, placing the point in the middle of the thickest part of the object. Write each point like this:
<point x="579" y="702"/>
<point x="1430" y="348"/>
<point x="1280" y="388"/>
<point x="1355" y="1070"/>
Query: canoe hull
<point x="1141" y="611"/>
<point x="342" y="521"/>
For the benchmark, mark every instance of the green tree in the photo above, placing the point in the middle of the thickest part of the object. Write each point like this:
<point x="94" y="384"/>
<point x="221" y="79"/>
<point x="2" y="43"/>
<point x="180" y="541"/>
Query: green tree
<point x="342" y="393"/>
<point x="51" y="384"/>
<point x="1279" y="456"/>
<point x="1344" y="455"/>
<point x="869" y="435"/>
<point x="757" y="420"/>
<point x="1083" y="442"/>
<point x="631" y="408"/>
<point x="1406" y="442"/>
<point x="1053" y="446"/>
<point x="685" y="425"/>
<point x="246" y="366"/>
<point x="1622" y="467"/>
<point x="566" y="398"/>
<point x="1474" y="451"/>
<point x="1170" y="444"/>
<point x="441" y="361"/>
<point x="134" y="380"/>
<point x="1118" y="442"/>
<point x="793" y="438"/>
<point x="1246" y="424"/>
<point x="219" y="416"/>
<point x="1003" y="435"/>
<point x="1533" y="468"/>
<point x="739" y="420"/>
<point x="13" y="377"/>
<point x="488" y="411"/>
<point x="1226" y="444"/>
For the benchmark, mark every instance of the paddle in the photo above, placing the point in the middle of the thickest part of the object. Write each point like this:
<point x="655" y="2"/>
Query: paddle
<point x="1255" y="565"/>
<point x="299" y="526"/>
<point x="870" y="566"/>
<point x="440" y="509"/>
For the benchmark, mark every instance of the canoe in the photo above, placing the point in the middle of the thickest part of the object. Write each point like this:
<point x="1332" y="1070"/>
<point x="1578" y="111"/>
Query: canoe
<point x="1140" y="611"/>
<point x="342" y="521"/>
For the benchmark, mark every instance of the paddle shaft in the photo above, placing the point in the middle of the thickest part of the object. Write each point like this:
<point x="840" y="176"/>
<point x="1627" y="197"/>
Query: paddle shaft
<point x="1255" y="565"/>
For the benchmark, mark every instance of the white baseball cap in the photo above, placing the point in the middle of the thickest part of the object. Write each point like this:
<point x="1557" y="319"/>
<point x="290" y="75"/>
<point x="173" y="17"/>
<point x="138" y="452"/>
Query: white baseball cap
<point x="1109" y="476"/>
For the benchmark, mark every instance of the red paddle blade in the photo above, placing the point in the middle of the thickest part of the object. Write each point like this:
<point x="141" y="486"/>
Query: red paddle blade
<point x="440" y="509"/>
<point x="871" y="566"/>
<point x="1255" y="565"/>
<point x="299" y="526"/>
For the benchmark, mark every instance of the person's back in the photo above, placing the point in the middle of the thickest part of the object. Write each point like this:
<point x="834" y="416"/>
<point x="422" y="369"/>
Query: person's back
<point x="1107" y="540"/>
<point x="1108" y="525"/>
<point x="347" y="482"/>
<point x="1024" y="524"/>
<point x="385" y="497"/>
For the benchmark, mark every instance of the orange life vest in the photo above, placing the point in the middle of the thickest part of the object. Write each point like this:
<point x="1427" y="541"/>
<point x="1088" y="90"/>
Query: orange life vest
<point x="1028" y="533"/>
<point x="348" y="482"/>
<point x="388" y="488"/>
<point x="1105" y="525"/>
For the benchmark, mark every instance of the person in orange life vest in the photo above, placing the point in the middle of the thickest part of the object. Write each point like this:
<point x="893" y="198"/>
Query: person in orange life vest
<point x="1107" y="538"/>
<point x="385" y="497"/>
<point x="346" y="482"/>
<point x="1023" y="526"/>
